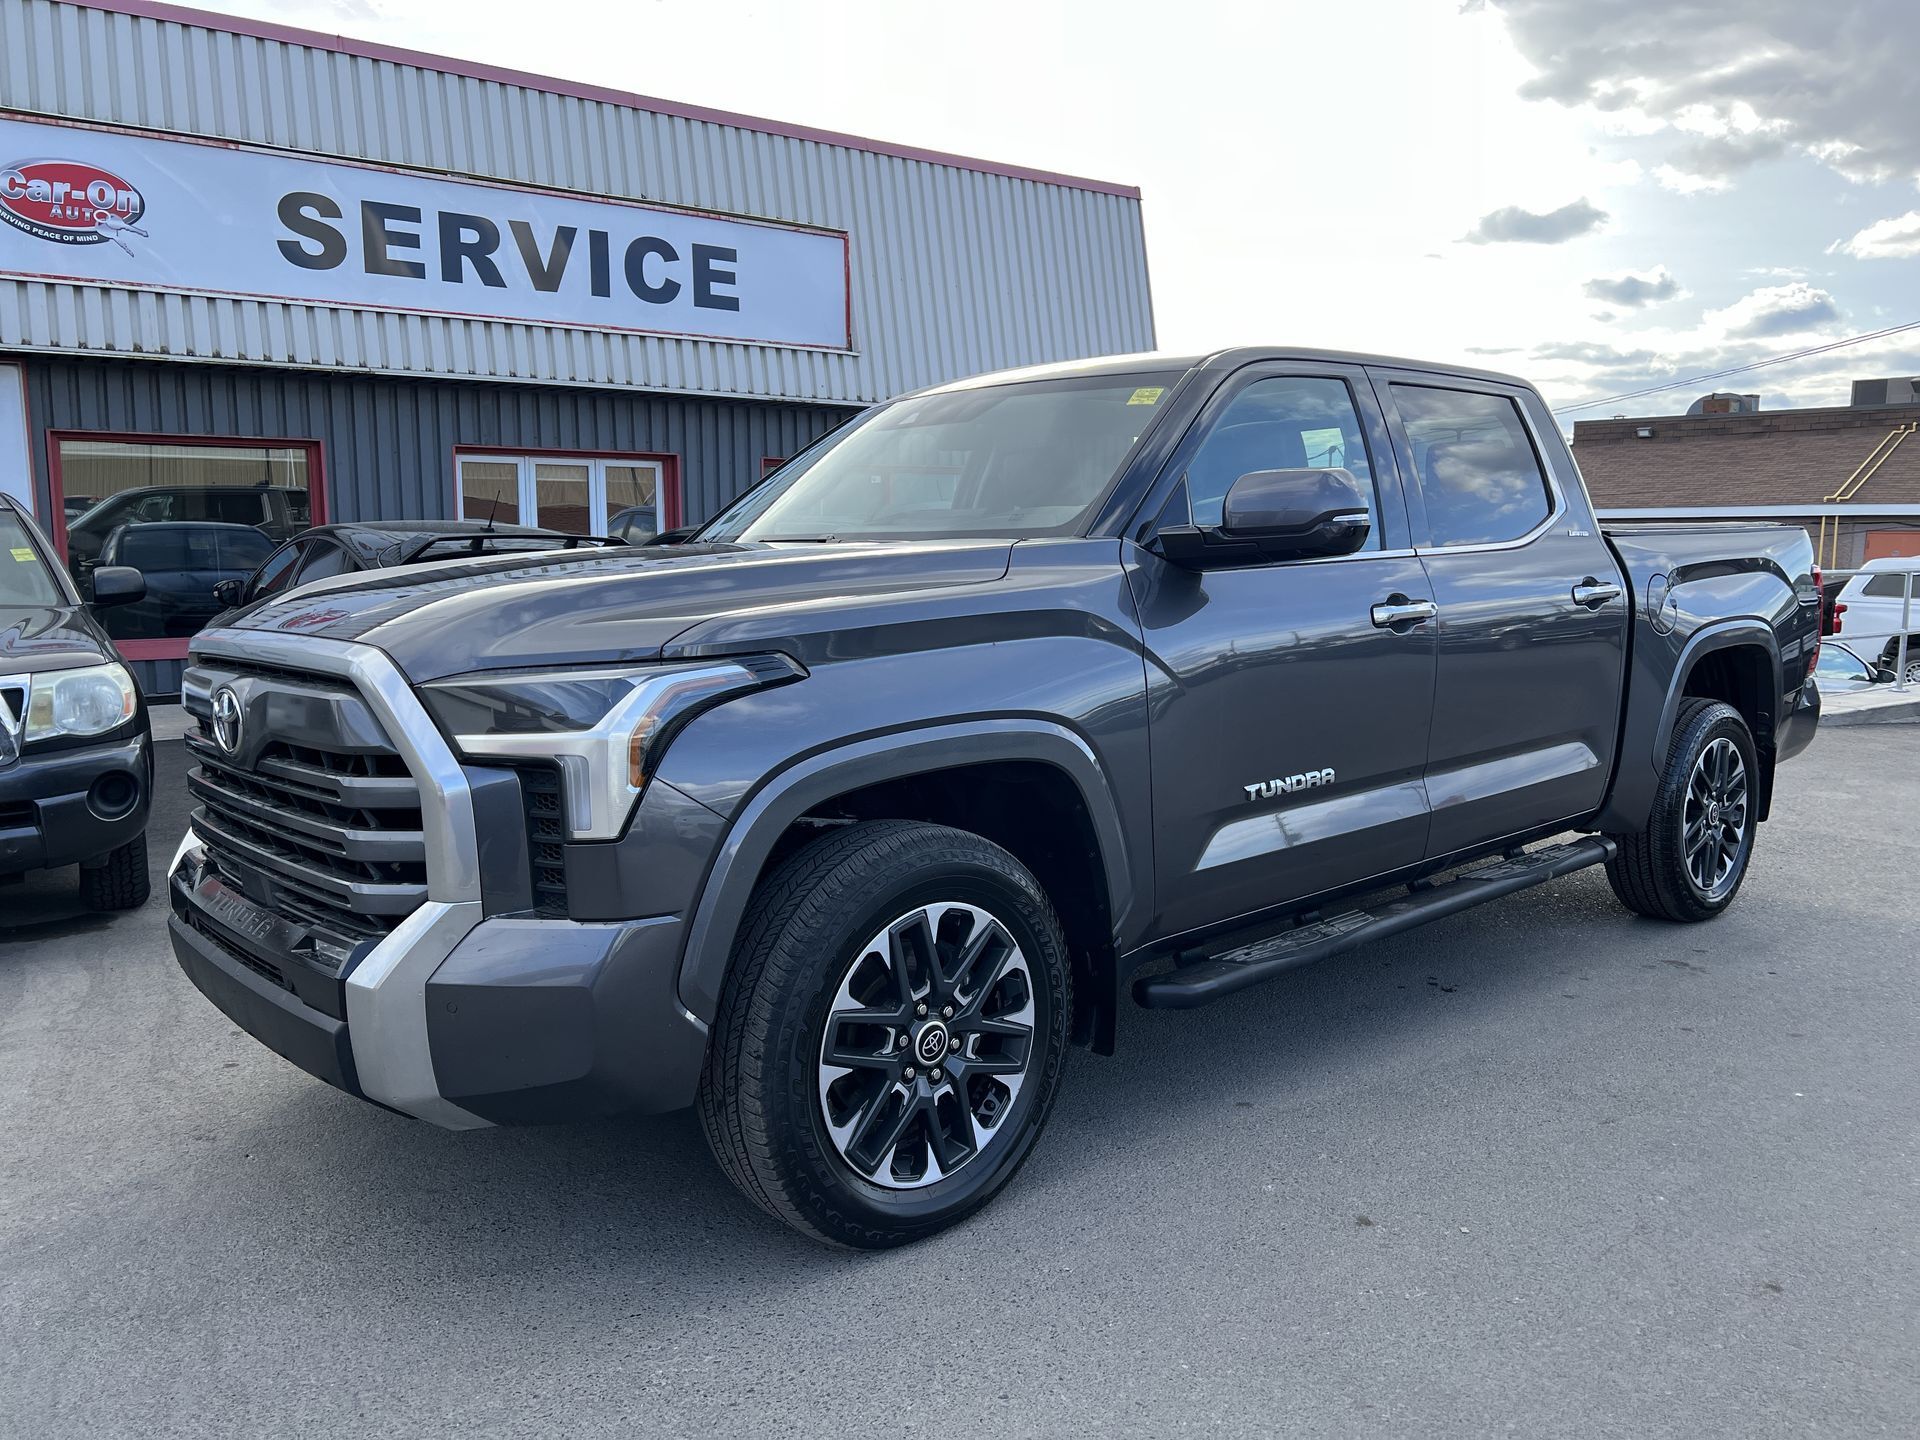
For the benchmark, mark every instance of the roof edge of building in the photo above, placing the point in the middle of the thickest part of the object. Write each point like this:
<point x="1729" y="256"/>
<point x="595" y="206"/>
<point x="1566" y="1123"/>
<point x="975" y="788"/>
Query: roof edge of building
<point x="160" y="10"/>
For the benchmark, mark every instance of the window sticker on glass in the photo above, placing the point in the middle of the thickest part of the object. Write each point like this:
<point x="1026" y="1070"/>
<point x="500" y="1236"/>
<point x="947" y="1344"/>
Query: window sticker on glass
<point x="1147" y="395"/>
<point x="23" y="554"/>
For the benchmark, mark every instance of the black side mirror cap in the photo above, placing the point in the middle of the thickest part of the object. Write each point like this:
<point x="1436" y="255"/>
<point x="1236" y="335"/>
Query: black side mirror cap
<point x="1276" y="515"/>
<point x="229" y="593"/>
<point x="117" y="585"/>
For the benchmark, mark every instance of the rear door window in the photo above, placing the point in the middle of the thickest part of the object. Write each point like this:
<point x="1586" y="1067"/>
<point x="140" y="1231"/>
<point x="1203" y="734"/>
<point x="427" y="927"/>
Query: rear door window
<point x="1478" y="470"/>
<point x="324" y="559"/>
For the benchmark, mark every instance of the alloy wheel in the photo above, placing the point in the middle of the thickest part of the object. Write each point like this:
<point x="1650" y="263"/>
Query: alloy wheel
<point x="1714" y="819"/>
<point x="926" y="1045"/>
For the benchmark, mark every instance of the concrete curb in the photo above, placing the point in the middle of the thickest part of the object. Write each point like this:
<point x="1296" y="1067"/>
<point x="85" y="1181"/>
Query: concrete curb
<point x="1905" y="712"/>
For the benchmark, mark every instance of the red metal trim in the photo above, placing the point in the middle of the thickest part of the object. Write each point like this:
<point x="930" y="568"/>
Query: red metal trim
<point x="500" y="75"/>
<point x="152" y="649"/>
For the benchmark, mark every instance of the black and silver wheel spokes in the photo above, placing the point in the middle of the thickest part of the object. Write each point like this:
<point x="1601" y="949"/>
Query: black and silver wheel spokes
<point x="1714" y="819"/>
<point x="926" y="1045"/>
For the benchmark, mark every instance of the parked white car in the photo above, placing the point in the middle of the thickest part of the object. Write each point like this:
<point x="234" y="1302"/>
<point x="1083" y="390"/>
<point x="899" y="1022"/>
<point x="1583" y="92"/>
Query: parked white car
<point x="1874" y="600"/>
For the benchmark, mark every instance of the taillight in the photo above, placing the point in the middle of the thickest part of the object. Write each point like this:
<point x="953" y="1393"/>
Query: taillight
<point x="1838" y="611"/>
<point x="1819" y="621"/>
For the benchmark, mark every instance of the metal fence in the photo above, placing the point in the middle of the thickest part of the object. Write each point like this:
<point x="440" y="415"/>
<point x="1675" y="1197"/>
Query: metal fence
<point x="1901" y="679"/>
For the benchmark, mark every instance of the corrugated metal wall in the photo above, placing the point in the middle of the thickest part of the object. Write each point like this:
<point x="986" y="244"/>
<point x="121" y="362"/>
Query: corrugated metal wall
<point x="955" y="271"/>
<point x="389" y="443"/>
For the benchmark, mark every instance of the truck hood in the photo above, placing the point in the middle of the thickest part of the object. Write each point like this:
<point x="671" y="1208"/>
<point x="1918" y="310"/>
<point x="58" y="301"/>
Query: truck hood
<point x="49" y="637"/>
<point x="611" y="605"/>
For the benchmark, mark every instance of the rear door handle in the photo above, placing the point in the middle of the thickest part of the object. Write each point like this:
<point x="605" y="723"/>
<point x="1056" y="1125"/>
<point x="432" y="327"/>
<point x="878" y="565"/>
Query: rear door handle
<point x="1594" y="593"/>
<point x="1397" y="610"/>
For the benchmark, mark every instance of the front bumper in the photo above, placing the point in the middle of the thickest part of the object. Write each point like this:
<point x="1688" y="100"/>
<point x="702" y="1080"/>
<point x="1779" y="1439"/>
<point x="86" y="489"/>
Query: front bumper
<point x="45" y="818"/>
<point x="527" y="1020"/>
<point x="461" y="1008"/>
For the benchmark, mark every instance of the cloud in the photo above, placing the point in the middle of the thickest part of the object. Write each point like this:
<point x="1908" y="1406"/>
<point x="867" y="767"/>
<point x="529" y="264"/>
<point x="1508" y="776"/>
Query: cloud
<point x="1736" y="83"/>
<point x="1632" y="290"/>
<point x="1895" y="238"/>
<point x="1775" y="310"/>
<point x="1511" y="224"/>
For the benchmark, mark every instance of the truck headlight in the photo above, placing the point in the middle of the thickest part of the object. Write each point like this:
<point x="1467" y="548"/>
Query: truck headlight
<point x="89" y="701"/>
<point x="604" y="726"/>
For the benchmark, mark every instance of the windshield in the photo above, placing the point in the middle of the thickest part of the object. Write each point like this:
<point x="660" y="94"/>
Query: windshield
<point x="1028" y="458"/>
<point x="24" y="577"/>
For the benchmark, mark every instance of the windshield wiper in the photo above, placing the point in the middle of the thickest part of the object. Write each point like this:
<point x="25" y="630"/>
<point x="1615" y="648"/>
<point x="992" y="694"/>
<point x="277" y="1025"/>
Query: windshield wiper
<point x="798" y="539"/>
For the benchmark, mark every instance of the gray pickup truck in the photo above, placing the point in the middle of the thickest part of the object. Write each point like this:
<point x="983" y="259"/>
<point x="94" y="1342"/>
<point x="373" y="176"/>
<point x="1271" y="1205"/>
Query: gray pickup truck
<point x="1008" y="700"/>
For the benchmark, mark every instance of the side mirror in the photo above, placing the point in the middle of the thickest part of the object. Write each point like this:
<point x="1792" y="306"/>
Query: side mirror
<point x="229" y="593"/>
<point x="117" y="585"/>
<point x="1277" y="515"/>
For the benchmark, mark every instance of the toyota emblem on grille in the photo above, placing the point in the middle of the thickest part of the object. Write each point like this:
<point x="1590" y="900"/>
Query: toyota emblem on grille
<point x="226" y="719"/>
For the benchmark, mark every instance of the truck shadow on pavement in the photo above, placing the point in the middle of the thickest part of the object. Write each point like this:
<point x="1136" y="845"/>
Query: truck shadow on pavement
<point x="639" y="1205"/>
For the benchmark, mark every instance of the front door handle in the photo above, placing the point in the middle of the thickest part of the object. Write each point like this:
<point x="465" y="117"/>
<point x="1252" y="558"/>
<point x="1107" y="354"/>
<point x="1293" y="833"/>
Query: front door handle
<point x="1398" y="610"/>
<point x="1594" y="593"/>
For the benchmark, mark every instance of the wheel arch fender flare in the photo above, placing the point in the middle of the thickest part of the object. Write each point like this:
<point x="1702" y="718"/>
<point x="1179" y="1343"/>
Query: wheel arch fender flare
<point x="1718" y="635"/>
<point x="790" y="793"/>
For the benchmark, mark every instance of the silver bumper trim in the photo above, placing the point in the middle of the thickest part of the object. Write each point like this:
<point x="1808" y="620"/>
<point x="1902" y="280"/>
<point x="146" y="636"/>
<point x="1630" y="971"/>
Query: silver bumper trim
<point x="386" y="993"/>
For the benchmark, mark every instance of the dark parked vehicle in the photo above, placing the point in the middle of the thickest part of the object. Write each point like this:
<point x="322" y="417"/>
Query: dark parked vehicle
<point x="329" y="550"/>
<point x="275" y="511"/>
<point x="636" y="525"/>
<point x="844" y="820"/>
<point x="185" y="563"/>
<point x="76" y="761"/>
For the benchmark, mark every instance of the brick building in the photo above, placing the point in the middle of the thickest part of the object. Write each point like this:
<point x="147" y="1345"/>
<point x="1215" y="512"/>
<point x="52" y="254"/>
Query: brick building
<point x="1850" y="474"/>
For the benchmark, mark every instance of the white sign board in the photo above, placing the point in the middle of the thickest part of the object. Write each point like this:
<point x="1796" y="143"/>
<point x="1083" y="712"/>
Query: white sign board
<point x="110" y="207"/>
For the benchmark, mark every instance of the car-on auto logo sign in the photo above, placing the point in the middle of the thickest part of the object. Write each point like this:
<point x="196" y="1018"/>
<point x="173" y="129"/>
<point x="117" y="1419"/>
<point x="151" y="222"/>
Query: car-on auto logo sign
<point x="70" y="202"/>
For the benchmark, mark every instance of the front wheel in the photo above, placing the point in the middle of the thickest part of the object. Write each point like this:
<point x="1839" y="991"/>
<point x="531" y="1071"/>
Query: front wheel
<point x="892" y="1033"/>
<point x="1689" y="861"/>
<point x="120" y="881"/>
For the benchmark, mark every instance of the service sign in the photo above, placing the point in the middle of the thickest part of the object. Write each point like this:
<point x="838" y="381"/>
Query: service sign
<point x="113" y="208"/>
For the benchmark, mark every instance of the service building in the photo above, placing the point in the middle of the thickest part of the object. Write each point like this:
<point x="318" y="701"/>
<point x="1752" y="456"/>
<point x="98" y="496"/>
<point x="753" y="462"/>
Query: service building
<point x="252" y="276"/>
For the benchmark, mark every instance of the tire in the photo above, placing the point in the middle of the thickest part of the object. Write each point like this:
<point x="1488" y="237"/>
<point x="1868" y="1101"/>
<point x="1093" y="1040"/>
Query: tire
<point x="1689" y="862"/>
<point x="962" y="1097"/>
<point x="121" y="883"/>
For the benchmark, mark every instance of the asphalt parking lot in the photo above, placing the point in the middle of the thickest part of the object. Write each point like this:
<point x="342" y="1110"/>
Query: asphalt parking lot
<point x="1542" y="1169"/>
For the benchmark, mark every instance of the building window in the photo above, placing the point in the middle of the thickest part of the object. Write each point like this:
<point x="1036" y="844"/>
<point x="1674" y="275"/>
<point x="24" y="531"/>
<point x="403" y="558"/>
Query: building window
<point x="224" y="504"/>
<point x="630" y="496"/>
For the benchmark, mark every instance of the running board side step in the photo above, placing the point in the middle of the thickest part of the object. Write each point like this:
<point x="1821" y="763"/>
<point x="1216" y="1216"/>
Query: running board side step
<point x="1208" y="979"/>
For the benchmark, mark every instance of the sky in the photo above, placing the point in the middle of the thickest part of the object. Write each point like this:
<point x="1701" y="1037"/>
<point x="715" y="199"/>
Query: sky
<point x="1605" y="196"/>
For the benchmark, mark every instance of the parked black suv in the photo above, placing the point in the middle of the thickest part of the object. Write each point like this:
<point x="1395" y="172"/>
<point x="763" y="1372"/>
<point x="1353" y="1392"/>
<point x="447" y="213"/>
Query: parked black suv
<point x="76" y="760"/>
<point x="326" y="551"/>
<point x="1006" y="701"/>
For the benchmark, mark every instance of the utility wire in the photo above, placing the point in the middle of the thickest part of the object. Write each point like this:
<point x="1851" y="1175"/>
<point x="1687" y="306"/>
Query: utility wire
<point x="1740" y="369"/>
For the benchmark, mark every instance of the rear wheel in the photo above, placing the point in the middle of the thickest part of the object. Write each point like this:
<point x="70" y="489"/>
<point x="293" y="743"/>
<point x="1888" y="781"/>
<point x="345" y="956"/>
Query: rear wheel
<point x="892" y="1033"/>
<point x="1689" y="861"/>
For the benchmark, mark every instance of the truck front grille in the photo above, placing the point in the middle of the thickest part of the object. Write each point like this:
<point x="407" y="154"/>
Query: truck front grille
<point x="321" y="823"/>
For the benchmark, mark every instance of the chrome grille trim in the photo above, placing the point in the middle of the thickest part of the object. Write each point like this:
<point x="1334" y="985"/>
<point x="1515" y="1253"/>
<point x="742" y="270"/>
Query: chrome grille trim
<point x="386" y="991"/>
